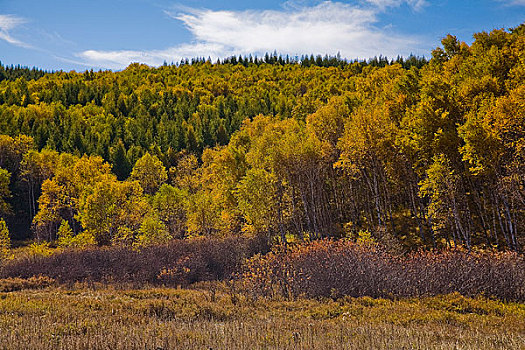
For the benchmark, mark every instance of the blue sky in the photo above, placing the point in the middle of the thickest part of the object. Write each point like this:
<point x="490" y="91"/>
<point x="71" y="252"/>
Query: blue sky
<point x="109" y="34"/>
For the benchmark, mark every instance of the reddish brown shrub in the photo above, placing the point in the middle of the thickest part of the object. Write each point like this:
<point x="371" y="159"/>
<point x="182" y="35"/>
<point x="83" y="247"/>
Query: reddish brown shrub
<point x="336" y="268"/>
<point x="196" y="259"/>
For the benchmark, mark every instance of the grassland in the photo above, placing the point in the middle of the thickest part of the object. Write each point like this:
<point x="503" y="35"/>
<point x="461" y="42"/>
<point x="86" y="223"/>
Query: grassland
<point x="215" y="318"/>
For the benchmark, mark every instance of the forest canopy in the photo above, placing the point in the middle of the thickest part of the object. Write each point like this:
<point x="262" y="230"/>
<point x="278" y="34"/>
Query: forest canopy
<point x="410" y="153"/>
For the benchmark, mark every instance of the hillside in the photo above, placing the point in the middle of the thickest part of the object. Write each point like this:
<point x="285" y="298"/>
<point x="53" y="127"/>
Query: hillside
<point x="409" y="154"/>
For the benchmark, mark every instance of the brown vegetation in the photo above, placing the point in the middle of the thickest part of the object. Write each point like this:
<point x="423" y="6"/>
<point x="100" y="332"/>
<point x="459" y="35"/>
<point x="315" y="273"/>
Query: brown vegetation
<point x="194" y="319"/>
<point x="181" y="262"/>
<point x="318" y="269"/>
<point x="14" y="284"/>
<point x="336" y="268"/>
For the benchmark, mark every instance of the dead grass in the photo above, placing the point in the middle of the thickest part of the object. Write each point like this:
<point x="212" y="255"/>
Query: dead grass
<point x="14" y="284"/>
<point x="214" y="318"/>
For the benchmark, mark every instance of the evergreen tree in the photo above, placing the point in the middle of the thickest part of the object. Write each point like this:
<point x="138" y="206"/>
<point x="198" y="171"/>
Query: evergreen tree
<point x="192" y="143"/>
<point x="222" y="135"/>
<point x="120" y="161"/>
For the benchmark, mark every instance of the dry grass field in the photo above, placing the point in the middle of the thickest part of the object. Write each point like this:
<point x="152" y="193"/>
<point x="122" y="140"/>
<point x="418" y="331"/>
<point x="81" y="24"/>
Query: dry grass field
<point x="214" y="318"/>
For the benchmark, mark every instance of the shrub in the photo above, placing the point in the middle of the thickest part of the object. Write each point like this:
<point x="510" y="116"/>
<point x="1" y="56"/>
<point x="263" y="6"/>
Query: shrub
<point x="180" y="262"/>
<point x="66" y="239"/>
<point x="5" y="240"/>
<point x="64" y="234"/>
<point x="152" y="231"/>
<point x="337" y="268"/>
<point x="37" y="250"/>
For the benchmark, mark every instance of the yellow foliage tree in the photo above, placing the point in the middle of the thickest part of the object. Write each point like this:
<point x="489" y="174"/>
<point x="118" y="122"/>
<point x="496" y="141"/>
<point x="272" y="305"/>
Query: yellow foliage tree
<point x="150" y="173"/>
<point x="5" y="240"/>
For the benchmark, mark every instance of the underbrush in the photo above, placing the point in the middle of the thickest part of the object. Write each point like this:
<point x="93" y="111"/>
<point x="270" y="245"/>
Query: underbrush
<point x="341" y="268"/>
<point x="179" y="263"/>
<point x="321" y="269"/>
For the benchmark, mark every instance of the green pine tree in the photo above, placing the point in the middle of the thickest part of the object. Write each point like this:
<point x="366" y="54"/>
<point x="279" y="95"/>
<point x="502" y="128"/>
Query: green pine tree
<point x="121" y="163"/>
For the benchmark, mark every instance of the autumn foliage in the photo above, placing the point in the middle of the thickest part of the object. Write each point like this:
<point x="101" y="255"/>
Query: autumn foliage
<point x="177" y="174"/>
<point x="421" y="154"/>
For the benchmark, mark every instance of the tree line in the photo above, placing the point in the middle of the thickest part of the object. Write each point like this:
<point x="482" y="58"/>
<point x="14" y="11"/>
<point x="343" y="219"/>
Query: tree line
<point x="421" y="154"/>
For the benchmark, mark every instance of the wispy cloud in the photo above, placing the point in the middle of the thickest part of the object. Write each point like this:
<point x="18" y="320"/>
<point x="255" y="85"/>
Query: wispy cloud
<point x="514" y="2"/>
<point x="7" y="23"/>
<point x="121" y="58"/>
<point x="382" y="4"/>
<point x="415" y="4"/>
<point x="325" y="28"/>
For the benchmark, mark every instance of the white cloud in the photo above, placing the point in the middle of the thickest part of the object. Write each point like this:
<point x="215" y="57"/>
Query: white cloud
<point x="7" y="23"/>
<point x="326" y="28"/>
<point x="382" y="4"/>
<point x="514" y="2"/>
<point x="122" y="58"/>
<point x="416" y="4"/>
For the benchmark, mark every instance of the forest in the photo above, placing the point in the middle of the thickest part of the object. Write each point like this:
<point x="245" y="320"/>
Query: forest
<point x="412" y="154"/>
<point x="267" y="203"/>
